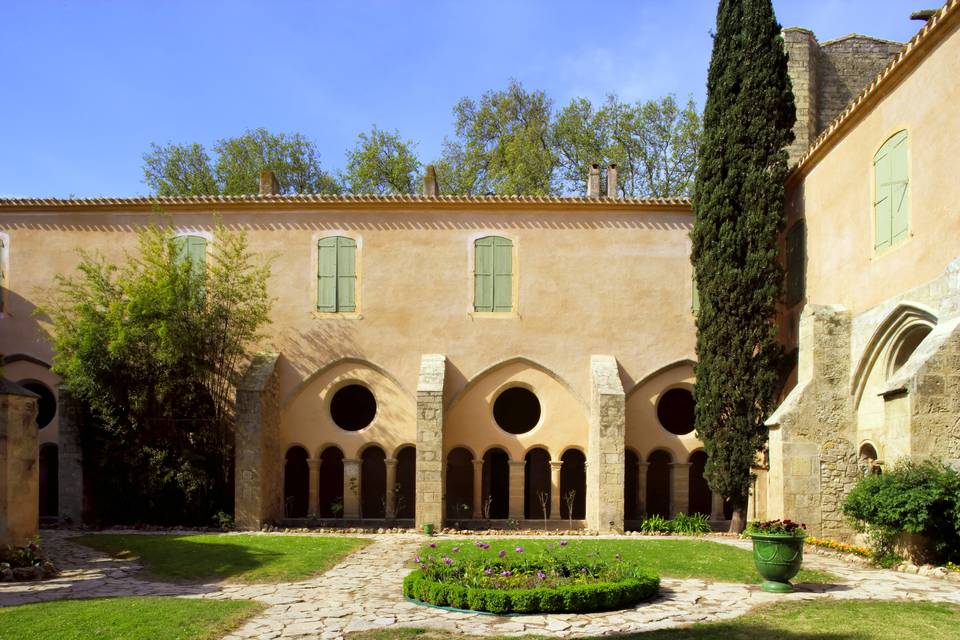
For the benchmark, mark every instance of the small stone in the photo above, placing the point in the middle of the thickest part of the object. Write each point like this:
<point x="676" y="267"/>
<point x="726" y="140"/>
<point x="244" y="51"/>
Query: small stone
<point x="7" y="575"/>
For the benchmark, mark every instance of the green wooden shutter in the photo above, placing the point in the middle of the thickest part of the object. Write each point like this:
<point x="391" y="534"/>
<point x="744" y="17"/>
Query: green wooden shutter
<point x="796" y="263"/>
<point x="192" y="248"/>
<point x="327" y="274"/>
<point x="483" y="274"/>
<point x="346" y="274"/>
<point x="891" y="181"/>
<point x="502" y="274"/>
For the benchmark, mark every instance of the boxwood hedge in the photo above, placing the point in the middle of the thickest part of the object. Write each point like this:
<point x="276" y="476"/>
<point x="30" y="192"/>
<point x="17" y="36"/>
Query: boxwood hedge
<point x="578" y="598"/>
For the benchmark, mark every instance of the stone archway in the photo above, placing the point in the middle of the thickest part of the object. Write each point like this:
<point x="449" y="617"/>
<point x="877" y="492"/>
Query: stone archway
<point x="631" y="485"/>
<point x="330" y="491"/>
<point x="496" y="482"/>
<point x="49" y="481"/>
<point x="658" y="484"/>
<point x="459" y="484"/>
<point x="573" y="477"/>
<point x="373" y="483"/>
<point x="700" y="497"/>
<point x="536" y="481"/>
<point x="296" y="483"/>
<point x="406" y="482"/>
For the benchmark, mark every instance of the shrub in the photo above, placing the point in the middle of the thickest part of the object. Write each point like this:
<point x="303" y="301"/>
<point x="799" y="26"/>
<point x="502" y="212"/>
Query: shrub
<point x="655" y="524"/>
<point x="914" y="497"/>
<point x="777" y="527"/>
<point x="693" y="524"/>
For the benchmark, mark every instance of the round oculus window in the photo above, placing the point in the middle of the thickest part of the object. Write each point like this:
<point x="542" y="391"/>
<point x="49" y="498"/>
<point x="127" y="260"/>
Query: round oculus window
<point x="675" y="411"/>
<point x="46" y="403"/>
<point x="516" y="410"/>
<point x="353" y="407"/>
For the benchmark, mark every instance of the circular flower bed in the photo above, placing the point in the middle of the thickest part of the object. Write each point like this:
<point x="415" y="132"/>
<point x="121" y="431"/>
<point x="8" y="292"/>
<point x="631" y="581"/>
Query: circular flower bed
<point x="561" y="579"/>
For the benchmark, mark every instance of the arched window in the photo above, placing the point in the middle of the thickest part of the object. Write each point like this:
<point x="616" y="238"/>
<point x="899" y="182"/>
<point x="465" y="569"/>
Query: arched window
<point x="337" y="274"/>
<point x="192" y="249"/>
<point x="493" y="274"/>
<point x="890" y="201"/>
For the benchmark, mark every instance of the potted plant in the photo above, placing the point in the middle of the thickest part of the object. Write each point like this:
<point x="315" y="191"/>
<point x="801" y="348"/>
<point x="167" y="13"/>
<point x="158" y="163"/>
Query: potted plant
<point x="428" y="528"/>
<point x="777" y="552"/>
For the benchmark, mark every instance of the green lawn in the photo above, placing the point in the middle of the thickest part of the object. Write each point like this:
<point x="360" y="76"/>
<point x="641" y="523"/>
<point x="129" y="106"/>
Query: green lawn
<point x="240" y="558"/>
<point x="668" y="558"/>
<point x="125" y="619"/>
<point x="820" y="620"/>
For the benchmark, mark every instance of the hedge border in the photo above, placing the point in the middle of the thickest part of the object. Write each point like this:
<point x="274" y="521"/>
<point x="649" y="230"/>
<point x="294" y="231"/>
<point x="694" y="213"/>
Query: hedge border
<point x="580" y="598"/>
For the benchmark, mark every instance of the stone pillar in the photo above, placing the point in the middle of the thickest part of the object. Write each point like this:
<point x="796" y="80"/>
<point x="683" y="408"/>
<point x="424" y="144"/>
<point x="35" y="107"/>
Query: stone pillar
<point x="642" y="488"/>
<point x="351" y="488"/>
<point x="314" y="508"/>
<point x="258" y="474"/>
<point x="605" y="446"/>
<point x="716" y="506"/>
<point x="391" y="507"/>
<point x="19" y="465"/>
<point x="70" y="457"/>
<point x="516" y="507"/>
<point x="555" y="497"/>
<point x="802" y="54"/>
<point x="430" y="467"/>
<point x="478" y="489"/>
<point x="679" y="488"/>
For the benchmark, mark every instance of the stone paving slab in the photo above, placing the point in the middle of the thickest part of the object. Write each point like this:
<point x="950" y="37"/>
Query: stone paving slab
<point x="364" y="592"/>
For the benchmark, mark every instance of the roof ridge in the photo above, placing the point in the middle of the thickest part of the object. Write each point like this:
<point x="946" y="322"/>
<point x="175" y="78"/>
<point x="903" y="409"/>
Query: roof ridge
<point x="858" y="35"/>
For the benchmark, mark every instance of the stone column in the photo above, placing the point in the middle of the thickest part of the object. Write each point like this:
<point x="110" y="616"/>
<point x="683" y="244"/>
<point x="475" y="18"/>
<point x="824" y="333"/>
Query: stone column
<point x="70" y="457"/>
<point x="642" y="489"/>
<point x="430" y="467"/>
<point x="605" y="446"/>
<point x="516" y="489"/>
<point x="391" y="507"/>
<point x="314" y="509"/>
<point x="258" y="474"/>
<point x="351" y="488"/>
<point x="19" y="464"/>
<point x="679" y="488"/>
<point x="716" y="506"/>
<point x="555" y="497"/>
<point x="478" y="489"/>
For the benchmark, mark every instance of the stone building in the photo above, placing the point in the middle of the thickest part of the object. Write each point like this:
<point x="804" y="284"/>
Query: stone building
<point x="440" y="359"/>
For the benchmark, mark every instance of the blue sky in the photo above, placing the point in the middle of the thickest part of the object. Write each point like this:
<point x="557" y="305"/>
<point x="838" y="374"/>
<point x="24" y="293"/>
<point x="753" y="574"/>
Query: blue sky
<point x="87" y="86"/>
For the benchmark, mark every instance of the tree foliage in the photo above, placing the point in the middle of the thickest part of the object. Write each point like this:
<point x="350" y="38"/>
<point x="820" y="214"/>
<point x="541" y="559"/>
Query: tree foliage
<point x="738" y="201"/>
<point x="382" y="163"/>
<point x="179" y="170"/>
<point x="153" y="348"/>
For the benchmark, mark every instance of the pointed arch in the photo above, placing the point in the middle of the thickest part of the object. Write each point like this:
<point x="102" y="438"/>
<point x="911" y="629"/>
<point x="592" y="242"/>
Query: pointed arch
<point x="686" y="362"/>
<point x="900" y="322"/>
<point x="306" y="382"/>
<point x="505" y="363"/>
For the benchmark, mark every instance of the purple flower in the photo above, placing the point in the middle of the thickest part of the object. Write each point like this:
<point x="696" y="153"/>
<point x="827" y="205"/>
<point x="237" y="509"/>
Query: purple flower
<point x="488" y="571"/>
<point x="478" y="544"/>
<point x="563" y="543"/>
<point x="541" y="575"/>
<point x="448" y="561"/>
<point x="502" y="553"/>
<point x="455" y="550"/>
<point x="486" y="546"/>
<point x="583" y="569"/>
<point x="506" y="573"/>
<point x="423" y="566"/>
<point x="519" y="549"/>
<point x="430" y="558"/>
<point x="433" y="545"/>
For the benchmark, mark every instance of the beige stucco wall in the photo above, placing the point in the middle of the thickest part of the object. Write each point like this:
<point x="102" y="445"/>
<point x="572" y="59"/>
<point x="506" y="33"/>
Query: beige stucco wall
<point x="645" y="434"/>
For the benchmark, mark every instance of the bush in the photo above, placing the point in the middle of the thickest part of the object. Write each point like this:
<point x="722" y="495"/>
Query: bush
<point x="694" y="524"/>
<point x="915" y="497"/>
<point x="655" y="524"/>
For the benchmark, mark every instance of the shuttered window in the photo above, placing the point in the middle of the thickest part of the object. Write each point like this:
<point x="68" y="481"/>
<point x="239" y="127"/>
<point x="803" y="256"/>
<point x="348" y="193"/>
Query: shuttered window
<point x="336" y="274"/>
<point x="493" y="274"/>
<point x="890" y="207"/>
<point x="796" y="262"/>
<point x="192" y="248"/>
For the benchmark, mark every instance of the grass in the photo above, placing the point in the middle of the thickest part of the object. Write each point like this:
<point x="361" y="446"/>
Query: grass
<point x="239" y="558"/>
<point x="669" y="558"/>
<point x="125" y="619"/>
<point x="820" y="620"/>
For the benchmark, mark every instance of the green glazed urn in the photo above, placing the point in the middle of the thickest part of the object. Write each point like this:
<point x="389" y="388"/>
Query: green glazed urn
<point x="778" y="558"/>
<point x="428" y="528"/>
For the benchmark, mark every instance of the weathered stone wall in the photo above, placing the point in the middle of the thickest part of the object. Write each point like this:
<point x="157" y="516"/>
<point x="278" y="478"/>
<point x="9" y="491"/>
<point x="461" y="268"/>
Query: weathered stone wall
<point x="934" y="392"/>
<point x="845" y="67"/>
<point x="70" y="453"/>
<point x="802" y="49"/>
<point x="259" y="487"/>
<point x="19" y="466"/>
<point x="429" y="500"/>
<point x="839" y="472"/>
<point x="605" y="450"/>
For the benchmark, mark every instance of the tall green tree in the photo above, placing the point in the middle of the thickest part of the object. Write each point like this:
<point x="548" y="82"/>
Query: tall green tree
<point x="153" y="347"/>
<point x="383" y="163"/>
<point x="738" y="200"/>
<point x="185" y="170"/>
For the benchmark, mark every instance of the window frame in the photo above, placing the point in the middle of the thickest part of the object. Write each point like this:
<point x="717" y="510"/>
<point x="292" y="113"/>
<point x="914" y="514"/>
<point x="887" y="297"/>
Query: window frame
<point x="472" y="276"/>
<point x="358" y="277"/>
<point x="876" y="250"/>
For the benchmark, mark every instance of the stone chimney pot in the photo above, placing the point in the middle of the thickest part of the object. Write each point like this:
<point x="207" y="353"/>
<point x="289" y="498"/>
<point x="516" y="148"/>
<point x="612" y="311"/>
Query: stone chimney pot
<point x="430" y="187"/>
<point x="269" y="185"/>
<point x="593" y="181"/>
<point x="612" y="181"/>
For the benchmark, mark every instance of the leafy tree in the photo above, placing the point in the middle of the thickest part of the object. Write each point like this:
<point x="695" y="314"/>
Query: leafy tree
<point x="382" y="162"/>
<point x="502" y="143"/>
<point x="654" y="144"/>
<point x="186" y="170"/>
<point x="179" y="170"/>
<point x="738" y="200"/>
<point x="153" y="348"/>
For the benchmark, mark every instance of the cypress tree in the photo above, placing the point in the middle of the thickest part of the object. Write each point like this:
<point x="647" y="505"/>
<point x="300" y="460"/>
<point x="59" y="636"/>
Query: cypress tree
<point x="738" y="200"/>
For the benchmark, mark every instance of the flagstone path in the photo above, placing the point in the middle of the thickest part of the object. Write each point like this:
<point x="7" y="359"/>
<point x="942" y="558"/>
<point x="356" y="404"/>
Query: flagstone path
<point x="364" y="592"/>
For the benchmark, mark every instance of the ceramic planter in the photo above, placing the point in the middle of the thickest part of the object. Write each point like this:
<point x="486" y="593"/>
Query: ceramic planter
<point x="778" y="558"/>
<point x="428" y="529"/>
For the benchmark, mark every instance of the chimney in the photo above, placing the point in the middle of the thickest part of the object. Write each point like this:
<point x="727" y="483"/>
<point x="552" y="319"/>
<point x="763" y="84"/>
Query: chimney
<point x="612" y="182"/>
<point x="430" y="182"/>
<point x="593" y="182"/>
<point x="269" y="186"/>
